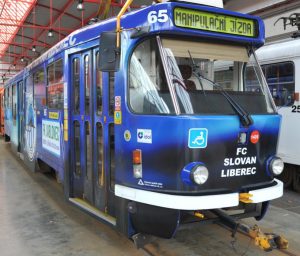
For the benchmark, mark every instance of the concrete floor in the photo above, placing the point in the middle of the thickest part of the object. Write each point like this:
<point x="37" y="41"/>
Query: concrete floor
<point x="36" y="221"/>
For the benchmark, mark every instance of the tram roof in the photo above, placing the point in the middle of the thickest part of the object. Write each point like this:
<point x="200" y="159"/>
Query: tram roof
<point x="280" y="51"/>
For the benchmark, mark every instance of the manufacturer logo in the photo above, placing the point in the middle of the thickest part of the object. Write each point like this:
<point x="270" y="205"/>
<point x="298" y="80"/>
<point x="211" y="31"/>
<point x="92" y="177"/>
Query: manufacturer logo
<point x="198" y="138"/>
<point x="144" y="136"/>
<point x="254" y="138"/>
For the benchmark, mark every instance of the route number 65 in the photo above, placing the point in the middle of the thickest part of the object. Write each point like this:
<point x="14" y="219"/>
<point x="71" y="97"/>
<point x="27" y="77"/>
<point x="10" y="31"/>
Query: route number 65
<point x="160" y="16"/>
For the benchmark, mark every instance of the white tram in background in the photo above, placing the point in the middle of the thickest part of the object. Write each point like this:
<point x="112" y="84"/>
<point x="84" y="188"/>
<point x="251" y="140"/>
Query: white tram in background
<point x="281" y="65"/>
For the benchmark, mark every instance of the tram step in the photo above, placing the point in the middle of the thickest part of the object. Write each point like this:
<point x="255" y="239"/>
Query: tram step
<point x="92" y="210"/>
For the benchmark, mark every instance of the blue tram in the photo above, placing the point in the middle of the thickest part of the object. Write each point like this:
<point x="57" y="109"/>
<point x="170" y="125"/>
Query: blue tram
<point x="157" y="124"/>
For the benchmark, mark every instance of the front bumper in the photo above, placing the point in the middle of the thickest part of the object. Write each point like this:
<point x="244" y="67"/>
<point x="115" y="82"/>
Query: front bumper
<point x="197" y="202"/>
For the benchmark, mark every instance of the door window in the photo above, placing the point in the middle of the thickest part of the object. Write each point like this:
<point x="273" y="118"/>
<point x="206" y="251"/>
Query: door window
<point x="111" y="93"/>
<point x="77" y="148"/>
<point x="76" y="85"/>
<point x="87" y="82"/>
<point x="98" y="87"/>
<point x="88" y="150"/>
<point x="100" y="166"/>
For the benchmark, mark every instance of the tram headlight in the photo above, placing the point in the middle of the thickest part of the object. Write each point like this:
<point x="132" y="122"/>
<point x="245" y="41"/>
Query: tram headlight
<point x="276" y="166"/>
<point x="199" y="174"/>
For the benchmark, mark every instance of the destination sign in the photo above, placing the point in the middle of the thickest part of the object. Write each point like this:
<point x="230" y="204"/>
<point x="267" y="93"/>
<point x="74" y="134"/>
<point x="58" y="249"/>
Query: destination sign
<point x="214" y="22"/>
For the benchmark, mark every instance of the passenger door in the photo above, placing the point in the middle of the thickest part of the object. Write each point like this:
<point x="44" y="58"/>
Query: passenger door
<point x="80" y="121"/>
<point x="90" y="131"/>
<point x="104" y="138"/>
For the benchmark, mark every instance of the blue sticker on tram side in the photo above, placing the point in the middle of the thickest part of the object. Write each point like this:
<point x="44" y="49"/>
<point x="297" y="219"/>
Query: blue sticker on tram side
<point x="198" y="138"/>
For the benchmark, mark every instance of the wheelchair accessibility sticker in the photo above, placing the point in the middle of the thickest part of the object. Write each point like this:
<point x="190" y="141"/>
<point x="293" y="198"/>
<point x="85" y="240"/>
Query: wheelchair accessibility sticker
<point x="198" y="138"/>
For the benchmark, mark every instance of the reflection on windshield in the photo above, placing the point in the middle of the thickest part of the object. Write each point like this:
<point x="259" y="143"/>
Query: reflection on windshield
<point x="148" y="87"/>
<point x="178" y="82"/>
<point x="143" y="85"/>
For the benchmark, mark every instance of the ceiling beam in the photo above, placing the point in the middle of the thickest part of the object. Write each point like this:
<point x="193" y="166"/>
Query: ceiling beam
<point x="23" y="20"/>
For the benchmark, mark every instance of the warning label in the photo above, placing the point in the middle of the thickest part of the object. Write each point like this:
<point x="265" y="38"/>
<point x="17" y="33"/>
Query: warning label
<point x="150" y="184"/>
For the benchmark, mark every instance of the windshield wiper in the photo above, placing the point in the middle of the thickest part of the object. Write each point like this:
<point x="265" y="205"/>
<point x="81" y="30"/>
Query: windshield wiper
<point x="194" y="70"/>
<point x="245" y="118"/>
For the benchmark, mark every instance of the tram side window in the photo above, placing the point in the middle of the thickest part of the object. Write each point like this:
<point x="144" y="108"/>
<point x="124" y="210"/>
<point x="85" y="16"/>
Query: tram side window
<point x="99" y="87"/>
<point x="14" y="102"/>
<point x="29" y="91"/>
<point x="21" y="95"/>
<point x="39" y="87"/>
<point x="5" y="97"/>
<point x="10" y="98"/>
<point x="55" y="85"/>
<point x="281" y="80"/>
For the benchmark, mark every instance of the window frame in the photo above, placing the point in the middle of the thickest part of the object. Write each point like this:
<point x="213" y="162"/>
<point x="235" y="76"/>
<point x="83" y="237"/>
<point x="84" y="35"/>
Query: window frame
<point x="276" y="84"/>
<point x="14" y="101"/>
<point x="59" y="105"/>
<point x="137" y="44"/>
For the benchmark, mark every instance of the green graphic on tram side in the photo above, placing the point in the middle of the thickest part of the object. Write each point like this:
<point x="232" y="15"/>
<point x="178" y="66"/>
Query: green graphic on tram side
<point x="51" y="132"/>
<point x="51" y="136"/>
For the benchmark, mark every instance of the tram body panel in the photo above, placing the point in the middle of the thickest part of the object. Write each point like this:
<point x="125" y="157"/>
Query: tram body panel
<point x="49" y="118"/>
<point x="165" y="152"/>
<point x="276" y="54"/>
<point x="288" y="148"/>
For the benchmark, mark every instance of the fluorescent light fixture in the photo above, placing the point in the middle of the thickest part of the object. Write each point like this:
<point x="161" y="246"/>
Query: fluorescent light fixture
<point x="80" y="6"/>
<point x="50" y="33"/>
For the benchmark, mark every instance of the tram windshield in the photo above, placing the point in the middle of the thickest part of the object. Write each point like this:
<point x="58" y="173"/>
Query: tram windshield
<point x="186" y="77"/>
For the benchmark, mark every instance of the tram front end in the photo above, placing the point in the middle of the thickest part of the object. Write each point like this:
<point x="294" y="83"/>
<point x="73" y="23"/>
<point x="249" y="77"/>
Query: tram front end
<point x="196" y="127"/>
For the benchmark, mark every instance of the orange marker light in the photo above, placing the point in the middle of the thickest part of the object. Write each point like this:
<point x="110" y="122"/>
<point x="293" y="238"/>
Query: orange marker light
<point x="137" y="156"/>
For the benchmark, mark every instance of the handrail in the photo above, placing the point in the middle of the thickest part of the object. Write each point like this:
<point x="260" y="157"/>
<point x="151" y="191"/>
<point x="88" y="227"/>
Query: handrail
<point x="123" y="10"/>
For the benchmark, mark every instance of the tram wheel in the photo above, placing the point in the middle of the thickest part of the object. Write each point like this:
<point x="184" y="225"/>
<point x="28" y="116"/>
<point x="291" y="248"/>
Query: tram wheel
<point x="296" y="180"/>
<point x="153" y="220"/>
<point x="287" y="175"/>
